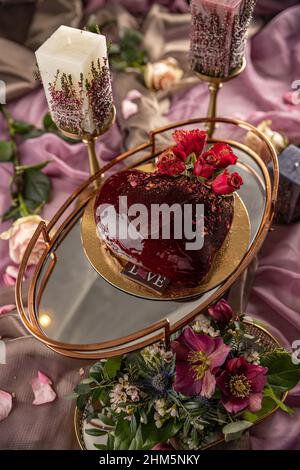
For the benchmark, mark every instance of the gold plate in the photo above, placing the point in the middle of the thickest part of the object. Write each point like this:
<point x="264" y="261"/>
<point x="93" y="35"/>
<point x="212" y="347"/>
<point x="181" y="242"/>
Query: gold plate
<point x="110" y="266"/>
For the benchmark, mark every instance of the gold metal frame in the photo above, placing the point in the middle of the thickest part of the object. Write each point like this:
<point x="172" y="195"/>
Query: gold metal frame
<point x="160" y="330"/>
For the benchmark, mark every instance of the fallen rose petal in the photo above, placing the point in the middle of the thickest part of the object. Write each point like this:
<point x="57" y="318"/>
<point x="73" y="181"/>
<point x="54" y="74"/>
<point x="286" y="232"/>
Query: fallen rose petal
<point x="43" y="393"/>
<point x="5" y="404"/>
<point x="10" y="276"/>
<point x="129" y="109"/>
<point x="133" y="95"/>
<point x="7" y="309"/>
<point x="8" y="281"/>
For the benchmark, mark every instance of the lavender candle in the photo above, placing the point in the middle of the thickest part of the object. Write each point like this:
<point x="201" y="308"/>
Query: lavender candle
<point x="218" y="35"/>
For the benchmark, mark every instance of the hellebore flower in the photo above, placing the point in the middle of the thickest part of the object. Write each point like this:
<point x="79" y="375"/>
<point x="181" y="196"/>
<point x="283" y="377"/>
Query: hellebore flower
<point x="241" y="385"/>
<point x="221" y="312"/>
<point x="197" y="359"/>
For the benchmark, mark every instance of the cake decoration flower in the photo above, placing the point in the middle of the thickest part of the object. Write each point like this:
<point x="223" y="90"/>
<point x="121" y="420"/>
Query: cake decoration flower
<point x="220" y="155"/>
<point x="188" y="158"/>
<point x="197" y="359"/>
<point x="189" y="142"/>
<point x="169" y="164"/>
<point x="227" y="183"/>
<point x="203" y="169"/>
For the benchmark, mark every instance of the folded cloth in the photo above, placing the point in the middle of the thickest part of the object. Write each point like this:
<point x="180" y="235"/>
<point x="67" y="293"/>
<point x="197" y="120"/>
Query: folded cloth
<point x="39" y="20"/>
<point x="18" y="12"/>
<point x="48" y="426"/>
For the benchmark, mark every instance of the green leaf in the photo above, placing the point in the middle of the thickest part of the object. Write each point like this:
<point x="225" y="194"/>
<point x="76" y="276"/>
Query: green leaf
<point x="96" y="371"/>
<point x="21" y="127"/>
<point x="139" y="438"/>
<point x="71" y="396"/>
<point x="82" y="389"/>
<point x="100" y="446"/>
<point x="112" y="366"/>
<point x="34" y="134"/>
<point x="186" y="427"/>
<point x="233" y="431"/>
<point x="13" y="213"/>
<point x="133" y="425"/>
<point x="106" y="420"/>
<point x="6" y="151"/>
<point x="38" y="166"/>
<point x="48" y="123"/>
<point x="269" y="392"/>
<point x="282" y="373"/>
<point x="81" y="402"/>
<point x="110" y="442"/>
<point x="95" y="432"/>
<point x="37" y="186"/>
<point x="123" y="436"/>
<point x="152" y="435"/>
<point x="267" y="407"/>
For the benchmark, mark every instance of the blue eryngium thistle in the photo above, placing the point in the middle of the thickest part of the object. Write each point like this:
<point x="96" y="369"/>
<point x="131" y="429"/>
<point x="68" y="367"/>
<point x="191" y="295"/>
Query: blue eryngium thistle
<point x="158" y="382"/>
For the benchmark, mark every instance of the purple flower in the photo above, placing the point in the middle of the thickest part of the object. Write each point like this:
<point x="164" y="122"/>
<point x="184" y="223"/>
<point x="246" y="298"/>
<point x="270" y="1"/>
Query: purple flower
<point x="163" y="446"/>
<point x="241" y="385"/>
<point x="197" y="359"/>
<point x="221" y="312"/>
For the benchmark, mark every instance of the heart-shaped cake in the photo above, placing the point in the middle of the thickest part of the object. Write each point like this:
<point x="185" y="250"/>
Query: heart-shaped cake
<point x="186" y="178"/>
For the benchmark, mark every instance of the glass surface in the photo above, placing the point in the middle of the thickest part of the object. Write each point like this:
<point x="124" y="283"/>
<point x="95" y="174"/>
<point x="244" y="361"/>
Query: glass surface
<point x="78" y="306"/>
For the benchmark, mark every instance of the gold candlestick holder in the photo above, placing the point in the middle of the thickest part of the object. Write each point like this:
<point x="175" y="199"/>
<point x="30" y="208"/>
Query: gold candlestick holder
<point x="214" y="85"/>
<point x="90" y="141"/>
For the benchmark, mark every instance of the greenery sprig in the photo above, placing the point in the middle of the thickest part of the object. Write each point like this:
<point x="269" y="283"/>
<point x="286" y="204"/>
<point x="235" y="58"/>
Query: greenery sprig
<point x="29" y="186"/>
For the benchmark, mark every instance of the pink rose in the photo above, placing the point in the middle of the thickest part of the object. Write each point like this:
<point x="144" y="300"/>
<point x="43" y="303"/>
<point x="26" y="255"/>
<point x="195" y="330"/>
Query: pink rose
<point x="19" y="235"/>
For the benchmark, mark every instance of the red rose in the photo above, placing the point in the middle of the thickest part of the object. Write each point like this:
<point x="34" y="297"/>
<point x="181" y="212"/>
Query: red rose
<point x="202" y="168"/>
<point x="227" y="183"/>
<point x="221" y="312"/>
<point x="189" y="142"/>
<point x="169" y="164"/>
<point x="220" y="155"/>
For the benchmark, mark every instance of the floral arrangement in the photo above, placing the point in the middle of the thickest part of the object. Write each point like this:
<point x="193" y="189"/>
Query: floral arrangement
<point x="216" y="380"/>
<point x="189" y="157"/>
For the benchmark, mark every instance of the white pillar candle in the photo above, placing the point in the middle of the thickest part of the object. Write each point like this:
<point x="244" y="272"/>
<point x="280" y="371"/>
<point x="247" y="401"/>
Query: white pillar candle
<point x="75" y="74"/>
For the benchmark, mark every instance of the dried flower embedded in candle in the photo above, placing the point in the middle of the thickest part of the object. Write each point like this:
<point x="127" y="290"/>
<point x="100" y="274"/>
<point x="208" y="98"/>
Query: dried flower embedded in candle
<point x="218" y="35"/>
<point x="67" y="103"/>
<point x="67" y="99"/>
<point x="99" y="93"/>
